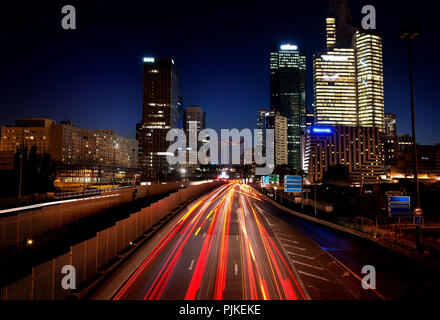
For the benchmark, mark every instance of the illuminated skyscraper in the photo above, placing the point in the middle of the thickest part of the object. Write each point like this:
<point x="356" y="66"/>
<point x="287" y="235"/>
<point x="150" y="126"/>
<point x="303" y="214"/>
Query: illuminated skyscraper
<point x="331" y="32"/>
<point x="348" y="82"/>
<point x="159" y="115"/>
<point x="334" y="74"/>
<point x="370" y="80"/>
<point x="288" y="95"/>
<point x="273" y="120"/>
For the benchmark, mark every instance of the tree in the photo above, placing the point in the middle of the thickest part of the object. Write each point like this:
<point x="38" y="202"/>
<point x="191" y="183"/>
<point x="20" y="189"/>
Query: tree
<point x="39" y="171"/>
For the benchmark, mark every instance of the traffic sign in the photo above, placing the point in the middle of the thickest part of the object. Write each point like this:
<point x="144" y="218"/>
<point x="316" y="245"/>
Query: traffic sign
<point x="419" y="221"/>
<point x="399" y="206"/>
<point x="293" y="184"/>
<point x="265" y="182"/>
<point x="274" y="178"/>
<point x="394" y="193"/>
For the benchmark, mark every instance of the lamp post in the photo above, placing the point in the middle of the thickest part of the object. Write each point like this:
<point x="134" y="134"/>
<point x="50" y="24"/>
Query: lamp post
<point x="116" y="146"/>
<point x="20" y="183"/>
<point x="410" y="33"/>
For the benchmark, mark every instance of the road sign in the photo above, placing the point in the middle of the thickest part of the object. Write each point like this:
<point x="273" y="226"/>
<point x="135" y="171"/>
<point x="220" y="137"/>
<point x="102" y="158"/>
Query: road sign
<point x="293" y="184"/>
<point x="394" y="193"/>
<point x="399" y="206"/>
<point x="274" y="178"/>
<point x="419" y="221"/>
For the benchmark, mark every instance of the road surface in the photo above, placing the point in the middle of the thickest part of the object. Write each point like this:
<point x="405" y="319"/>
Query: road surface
<point x="233" y="244"/>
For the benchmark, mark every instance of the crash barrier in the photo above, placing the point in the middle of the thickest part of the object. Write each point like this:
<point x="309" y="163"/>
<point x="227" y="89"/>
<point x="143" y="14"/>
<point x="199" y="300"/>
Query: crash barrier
<point x="88" y="257"/>
<point x="16" y="230"/>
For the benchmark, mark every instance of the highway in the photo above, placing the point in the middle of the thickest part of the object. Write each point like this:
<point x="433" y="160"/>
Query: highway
<point x="233" y="244"/>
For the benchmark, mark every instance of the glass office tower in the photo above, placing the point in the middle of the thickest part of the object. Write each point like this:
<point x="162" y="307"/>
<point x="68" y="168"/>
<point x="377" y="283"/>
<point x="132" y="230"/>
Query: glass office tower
<point x="370" y="80"/>
<point x="160" y="113"/>
<point x="288" y="95"/>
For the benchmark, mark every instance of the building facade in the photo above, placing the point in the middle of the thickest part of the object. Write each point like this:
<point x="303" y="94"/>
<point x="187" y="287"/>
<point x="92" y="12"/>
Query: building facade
<point x="82" y="155"/>
<point x="195" y="121"/>
<point x="27" y="132"/>
<point x="335" y="91"/>
<point x="160" y="113"/>
<point x="370" y="87"/>
<point x="390" y="124"/>
<point x="356" y="148"/>
<point x="288" y="95"/>
<point x="275" y="121"/>
<point x="348" y="81"/>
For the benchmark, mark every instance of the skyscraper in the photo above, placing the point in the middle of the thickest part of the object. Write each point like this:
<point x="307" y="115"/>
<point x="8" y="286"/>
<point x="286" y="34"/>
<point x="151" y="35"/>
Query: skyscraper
<point x="159" y="115"/>
<point x="196" y="115"/>
<point x="273" y="120"/>
<point x="390" y="124"/>
<point x="288" y="95"/>
<point x="261" y="114"/>
<point x="370" y="86"/>
<point x="348" y="80"/>
<point x="334" y="75"/>
<point x="194" y="123"/>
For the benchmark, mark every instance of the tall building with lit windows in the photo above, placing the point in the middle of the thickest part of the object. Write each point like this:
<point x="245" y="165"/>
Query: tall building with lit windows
<point x="330" y="32"/>
<point x="273" y="120"/>
<point x="81" y="155"/>
<point x="369" y="65"/>
<point x="160" y="113"/>
<point x="288" y="95"/>
<point x="357" y="149"/>
<point x="334" y="75"/>
<point x="348" y="81"/>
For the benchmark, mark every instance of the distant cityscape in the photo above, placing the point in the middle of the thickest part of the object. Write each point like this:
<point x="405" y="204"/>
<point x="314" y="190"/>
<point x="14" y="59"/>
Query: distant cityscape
<point x="347" y="127"/>
<point x="324" y="200"/>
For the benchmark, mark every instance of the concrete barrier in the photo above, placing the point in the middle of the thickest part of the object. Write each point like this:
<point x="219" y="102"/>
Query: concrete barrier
<point x="17" y="229"/>
<point x="89" y="256"/>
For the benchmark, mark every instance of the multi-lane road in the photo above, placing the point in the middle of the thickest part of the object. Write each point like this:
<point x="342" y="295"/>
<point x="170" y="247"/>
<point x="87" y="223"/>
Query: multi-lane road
<point x="233" y="244"/>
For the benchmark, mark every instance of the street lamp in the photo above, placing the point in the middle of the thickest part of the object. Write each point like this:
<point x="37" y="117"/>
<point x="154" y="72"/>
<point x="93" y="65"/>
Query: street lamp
<point x="411" y="33"/>
<point x="116" y="146"/>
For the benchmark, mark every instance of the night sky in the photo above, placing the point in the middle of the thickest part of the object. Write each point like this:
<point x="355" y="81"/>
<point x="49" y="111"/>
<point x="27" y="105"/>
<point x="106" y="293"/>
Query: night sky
<point x="93" y="75"/>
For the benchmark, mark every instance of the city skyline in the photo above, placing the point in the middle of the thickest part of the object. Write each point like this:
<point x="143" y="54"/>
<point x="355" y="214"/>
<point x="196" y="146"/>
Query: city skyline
<point x="104" y="71"/>
<point x="235" y="151"/>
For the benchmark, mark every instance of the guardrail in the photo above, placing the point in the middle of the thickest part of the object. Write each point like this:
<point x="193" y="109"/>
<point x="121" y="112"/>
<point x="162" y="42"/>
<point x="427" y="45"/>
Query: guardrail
<point x="89" y="192"/>
<point x="90" y="256"/>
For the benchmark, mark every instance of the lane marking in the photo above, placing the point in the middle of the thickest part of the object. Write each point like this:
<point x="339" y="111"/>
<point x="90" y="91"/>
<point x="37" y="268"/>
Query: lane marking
<point x="191" y="265"/>
<point x="236" y="269"/>
<point x="301" y="255"/>
<point x="298" y="248"/>
<point x="283" y="234"/>
<point x="307" y="265"/>
<point x="314" y="276"/>
<point x="352" y="273"/>
<point x="204" y="235"/>
<point x="282" y="239"/>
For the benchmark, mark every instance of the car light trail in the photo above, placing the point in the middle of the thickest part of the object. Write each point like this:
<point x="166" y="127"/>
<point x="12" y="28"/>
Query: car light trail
<point x="265" y="274"/>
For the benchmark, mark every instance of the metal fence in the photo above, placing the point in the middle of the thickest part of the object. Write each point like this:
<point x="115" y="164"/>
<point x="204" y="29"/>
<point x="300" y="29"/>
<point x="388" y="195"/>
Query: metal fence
<point x="88" y="257"/>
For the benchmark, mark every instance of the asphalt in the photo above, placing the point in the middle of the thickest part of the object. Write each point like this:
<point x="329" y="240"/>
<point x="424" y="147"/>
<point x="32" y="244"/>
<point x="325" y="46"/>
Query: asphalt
<point x="233" y="244"/>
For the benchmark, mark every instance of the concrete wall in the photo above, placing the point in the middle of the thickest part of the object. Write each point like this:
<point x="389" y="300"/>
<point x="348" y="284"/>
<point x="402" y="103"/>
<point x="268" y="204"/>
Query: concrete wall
<point x="17" y="229"/>
<point x="88" y="257"/>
